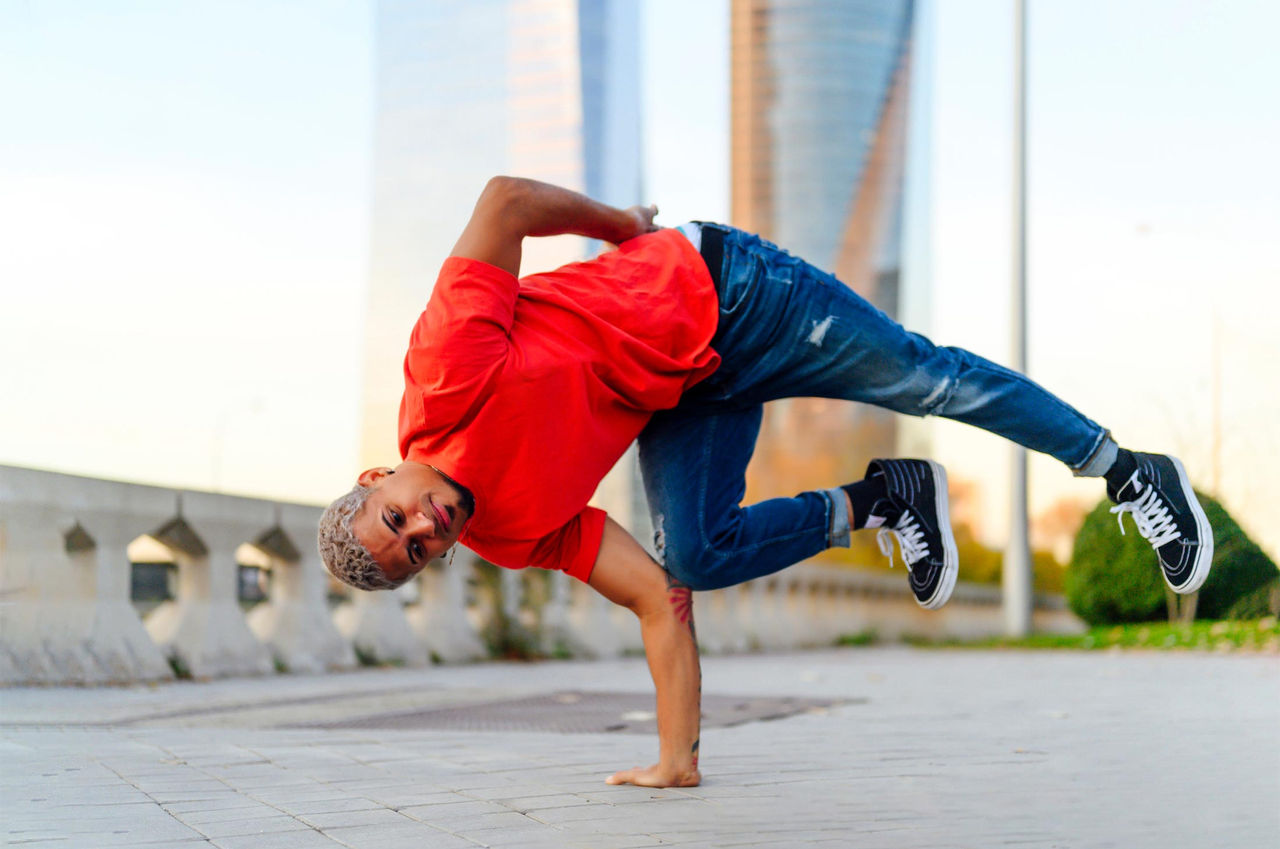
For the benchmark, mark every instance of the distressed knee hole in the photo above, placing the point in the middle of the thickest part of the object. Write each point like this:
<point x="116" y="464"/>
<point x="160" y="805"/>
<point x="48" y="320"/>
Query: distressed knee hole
<point x="941" y="394"/>
<point x="819" y="331"/>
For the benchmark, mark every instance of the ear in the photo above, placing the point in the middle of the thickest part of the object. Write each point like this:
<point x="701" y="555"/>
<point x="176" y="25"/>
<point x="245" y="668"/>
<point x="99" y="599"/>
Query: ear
<point x="369" y="477"/>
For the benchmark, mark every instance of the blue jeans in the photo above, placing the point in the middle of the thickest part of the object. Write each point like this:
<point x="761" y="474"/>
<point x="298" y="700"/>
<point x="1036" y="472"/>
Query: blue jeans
<point x="787" y="329"/>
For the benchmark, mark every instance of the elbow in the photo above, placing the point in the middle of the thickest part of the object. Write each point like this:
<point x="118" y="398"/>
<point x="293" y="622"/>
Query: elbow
<point x="662" y="603"/>
<point x="503" y="204"/>
<point x="503" y="193"/>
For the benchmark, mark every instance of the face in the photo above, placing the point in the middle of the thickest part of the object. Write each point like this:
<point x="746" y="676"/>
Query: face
<point x="412" y="515"/>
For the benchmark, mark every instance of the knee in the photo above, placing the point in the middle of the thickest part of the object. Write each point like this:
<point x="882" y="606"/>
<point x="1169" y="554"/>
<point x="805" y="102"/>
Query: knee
<point x="933" y="384"/>
<point x="689" y="557"/>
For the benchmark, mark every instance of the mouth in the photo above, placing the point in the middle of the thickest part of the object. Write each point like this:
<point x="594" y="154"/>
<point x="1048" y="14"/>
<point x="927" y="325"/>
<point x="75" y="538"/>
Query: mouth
<point x="442" y="516"/>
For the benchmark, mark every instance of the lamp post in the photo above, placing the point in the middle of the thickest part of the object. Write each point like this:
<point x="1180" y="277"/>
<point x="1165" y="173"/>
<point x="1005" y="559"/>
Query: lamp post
<point x="1016" y="575"/>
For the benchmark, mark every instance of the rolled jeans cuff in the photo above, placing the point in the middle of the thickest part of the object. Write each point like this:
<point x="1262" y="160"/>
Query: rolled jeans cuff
<point x="839" y="529"/>
<point x="1100" y="459"/>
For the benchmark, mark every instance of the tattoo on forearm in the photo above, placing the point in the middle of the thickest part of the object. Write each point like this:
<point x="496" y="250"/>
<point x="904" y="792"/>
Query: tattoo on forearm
<point x="680" y="595"/>
<point x="681" y="598"/>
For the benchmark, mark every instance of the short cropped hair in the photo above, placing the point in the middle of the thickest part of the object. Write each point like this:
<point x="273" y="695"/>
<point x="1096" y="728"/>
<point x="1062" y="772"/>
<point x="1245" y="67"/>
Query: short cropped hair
<point x="343" y="554"/>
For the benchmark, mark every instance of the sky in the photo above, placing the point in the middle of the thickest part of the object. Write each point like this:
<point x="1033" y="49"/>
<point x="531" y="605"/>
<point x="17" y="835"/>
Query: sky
<point x="184" y="229"/>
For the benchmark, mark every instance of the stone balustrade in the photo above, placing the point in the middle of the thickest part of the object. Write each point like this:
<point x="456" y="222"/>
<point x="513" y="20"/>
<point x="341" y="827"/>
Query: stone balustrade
<point x="66" y="614"/>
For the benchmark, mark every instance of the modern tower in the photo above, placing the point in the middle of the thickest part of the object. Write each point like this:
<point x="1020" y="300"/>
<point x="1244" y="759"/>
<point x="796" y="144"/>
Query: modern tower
<point x="541" y="88"/>
<point x="820" y="100"/>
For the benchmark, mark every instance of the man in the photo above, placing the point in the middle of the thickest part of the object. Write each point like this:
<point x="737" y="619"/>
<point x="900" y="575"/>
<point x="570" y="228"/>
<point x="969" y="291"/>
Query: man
<point x="520" y="394"/>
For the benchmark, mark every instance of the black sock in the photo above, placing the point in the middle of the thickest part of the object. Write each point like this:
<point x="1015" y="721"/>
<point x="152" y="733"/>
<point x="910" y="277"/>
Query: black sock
<point x="863" y="495"/>
<point x="1121" y="470"/>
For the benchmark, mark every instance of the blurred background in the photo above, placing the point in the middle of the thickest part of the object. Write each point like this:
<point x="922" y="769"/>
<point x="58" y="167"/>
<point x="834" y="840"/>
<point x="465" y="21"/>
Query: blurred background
<point x="219" y="221"/>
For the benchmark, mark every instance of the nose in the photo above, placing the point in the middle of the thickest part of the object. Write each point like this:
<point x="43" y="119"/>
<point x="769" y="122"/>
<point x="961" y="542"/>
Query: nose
<point x="420" y="522"/>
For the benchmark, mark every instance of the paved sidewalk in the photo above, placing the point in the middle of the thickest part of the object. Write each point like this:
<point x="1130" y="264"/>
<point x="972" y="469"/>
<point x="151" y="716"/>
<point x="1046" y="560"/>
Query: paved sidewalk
<point x="921" y="749"/>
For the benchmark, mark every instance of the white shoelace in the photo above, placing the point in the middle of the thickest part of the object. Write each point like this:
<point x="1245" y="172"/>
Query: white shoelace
<point x="1150" y="515"/>
<point x="910" y="539"/>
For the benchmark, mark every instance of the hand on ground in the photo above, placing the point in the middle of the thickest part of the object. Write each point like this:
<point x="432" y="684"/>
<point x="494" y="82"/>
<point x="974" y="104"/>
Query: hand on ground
<point x="657" y="776"/>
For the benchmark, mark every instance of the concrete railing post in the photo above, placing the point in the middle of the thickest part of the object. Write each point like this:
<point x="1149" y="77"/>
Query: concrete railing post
<point x="47" y="610"/>
<point x="377" y="627"/>
<point x="593" y="631"/>
<point x="788" y="622"/>
<point x="554" y="637"/>
<point x="65" y="615"/>
<point x="439" y="619"/>
<point x="763" y="616"/>
<point x="294" y="622"/>
<point x="124" y="649"/>
<point x="204" y="630"/>
<point x="717" y="614"/>
<point x="511" y="595"/>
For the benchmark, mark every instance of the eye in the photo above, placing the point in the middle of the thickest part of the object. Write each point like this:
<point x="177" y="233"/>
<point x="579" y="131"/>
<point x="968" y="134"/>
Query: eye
<point x="397" y="517"/>
<point x="419" y="553"/>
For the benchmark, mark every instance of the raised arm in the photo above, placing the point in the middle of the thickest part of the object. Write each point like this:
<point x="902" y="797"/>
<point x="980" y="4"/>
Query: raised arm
<point x="625" y="574"/>
<point x="511" y="208"/>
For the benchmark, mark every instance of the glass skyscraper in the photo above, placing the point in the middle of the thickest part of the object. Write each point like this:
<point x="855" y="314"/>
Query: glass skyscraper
<point x="547" y="89"/>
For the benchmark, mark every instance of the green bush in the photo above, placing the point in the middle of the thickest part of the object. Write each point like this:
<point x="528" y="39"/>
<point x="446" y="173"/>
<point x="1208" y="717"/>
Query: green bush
<point x="1261" y="602"/>
<point x="1115" y="579"/>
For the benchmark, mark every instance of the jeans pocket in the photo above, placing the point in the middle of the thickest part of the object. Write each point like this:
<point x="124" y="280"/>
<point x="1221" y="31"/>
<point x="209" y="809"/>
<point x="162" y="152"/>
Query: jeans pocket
<point x="741" y="280"/>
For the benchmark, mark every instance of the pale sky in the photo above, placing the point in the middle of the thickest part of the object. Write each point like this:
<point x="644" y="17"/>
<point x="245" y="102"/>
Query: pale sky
<point x="184" y="214"/>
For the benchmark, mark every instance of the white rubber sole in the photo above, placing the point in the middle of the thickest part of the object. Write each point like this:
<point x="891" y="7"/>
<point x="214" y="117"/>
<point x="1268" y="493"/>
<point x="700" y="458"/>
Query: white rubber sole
<point x="950" y="555"/>
<point x="1204" y="557"/>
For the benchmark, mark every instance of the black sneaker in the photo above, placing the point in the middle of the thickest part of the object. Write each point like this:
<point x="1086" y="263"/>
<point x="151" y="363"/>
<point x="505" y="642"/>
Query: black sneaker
<point x="1167" y="514"/>
<point x="916" y="512"/>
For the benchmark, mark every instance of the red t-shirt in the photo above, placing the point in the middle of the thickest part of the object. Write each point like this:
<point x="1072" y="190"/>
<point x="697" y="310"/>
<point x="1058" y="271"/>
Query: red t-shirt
<point x="528" y="391"/>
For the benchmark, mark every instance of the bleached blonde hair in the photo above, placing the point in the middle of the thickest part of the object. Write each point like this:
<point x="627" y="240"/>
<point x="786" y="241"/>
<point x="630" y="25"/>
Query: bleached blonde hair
<point x="343" y="554"/>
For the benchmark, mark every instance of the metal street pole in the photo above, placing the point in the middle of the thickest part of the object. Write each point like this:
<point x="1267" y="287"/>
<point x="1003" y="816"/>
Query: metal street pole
<point x="1016" y="575"/>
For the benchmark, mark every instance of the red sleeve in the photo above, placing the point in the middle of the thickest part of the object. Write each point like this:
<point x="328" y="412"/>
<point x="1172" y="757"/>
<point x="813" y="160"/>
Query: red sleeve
<point x="571" y="548"/>
<point x="465" y="328"/>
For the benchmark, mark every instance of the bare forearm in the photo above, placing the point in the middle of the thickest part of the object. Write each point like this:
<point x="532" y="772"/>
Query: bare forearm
<point x="511" y="208"/>
<point x="541" y="209"/>
<point x="672" y="652"/>
<point x="624" y="573"/>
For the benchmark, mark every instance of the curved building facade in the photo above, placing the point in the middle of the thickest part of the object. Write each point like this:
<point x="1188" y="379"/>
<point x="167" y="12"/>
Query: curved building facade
<point x="819" y="109"/>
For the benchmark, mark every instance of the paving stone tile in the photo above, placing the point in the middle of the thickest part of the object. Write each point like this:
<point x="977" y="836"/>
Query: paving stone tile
<point x="557" y="816"/>
<point x="537" y="803"/>
<point x="279" y="840"/>
<point x="256" y="811"/>
<point x="453" y="811"/>
<point x="119" y="832"/>
<point x="328" y="805"/>
<point x="612" y="841"/>
<point x="229" y="800"/>
<point x="413" y="836"/>
<point x="342" y="819"/>
<point x="251" y="825"/>
<point x="519" y="839"/>
<point x="483" y="825"/>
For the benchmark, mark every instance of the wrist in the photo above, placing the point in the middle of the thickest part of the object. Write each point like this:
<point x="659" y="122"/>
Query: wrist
<point x="678" y="764"/>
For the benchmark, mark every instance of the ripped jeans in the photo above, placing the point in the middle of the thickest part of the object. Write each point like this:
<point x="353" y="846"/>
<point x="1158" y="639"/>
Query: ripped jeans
<point x="787" y="329"/>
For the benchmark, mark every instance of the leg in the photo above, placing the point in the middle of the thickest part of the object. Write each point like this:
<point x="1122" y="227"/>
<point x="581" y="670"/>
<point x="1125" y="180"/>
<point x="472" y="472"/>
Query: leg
<point x="694" y="462"/>
<point x="788" y="329"/>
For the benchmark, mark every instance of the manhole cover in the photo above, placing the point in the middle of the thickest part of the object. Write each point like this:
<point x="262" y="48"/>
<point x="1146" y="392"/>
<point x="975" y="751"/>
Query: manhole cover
<point x="575" y="712"/>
